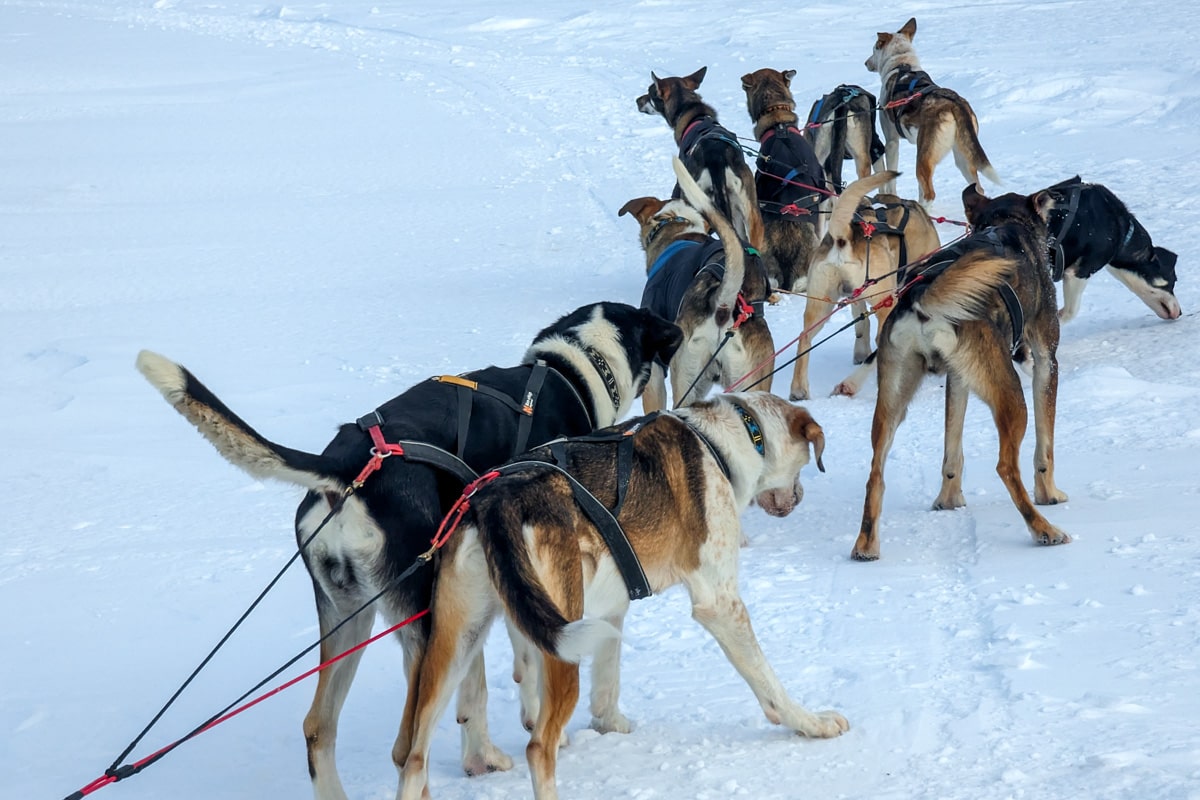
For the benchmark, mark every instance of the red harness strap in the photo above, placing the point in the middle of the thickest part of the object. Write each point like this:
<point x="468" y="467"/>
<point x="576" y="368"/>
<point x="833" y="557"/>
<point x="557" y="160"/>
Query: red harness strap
<point x="744" y="312"/>
<point x="379" y="452"/>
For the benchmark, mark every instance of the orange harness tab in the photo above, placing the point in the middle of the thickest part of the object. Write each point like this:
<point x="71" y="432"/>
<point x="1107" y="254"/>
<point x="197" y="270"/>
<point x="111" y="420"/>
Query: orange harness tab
<point x="457" y="381"/>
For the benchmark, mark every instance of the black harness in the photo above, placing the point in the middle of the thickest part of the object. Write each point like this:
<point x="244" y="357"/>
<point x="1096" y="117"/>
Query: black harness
<point x="938" y="262"/>
<point x="601" y="516"/>
<point x="785" y="161"/>
<point x="833" y="105"/>
<point x="1061" y="230"/>
<point x="880" y="224"/>
<point x="702" y="128"/>
<point x="678" y="266"/>
<point x="908" y="86"/>
<point x="453" y="463"/>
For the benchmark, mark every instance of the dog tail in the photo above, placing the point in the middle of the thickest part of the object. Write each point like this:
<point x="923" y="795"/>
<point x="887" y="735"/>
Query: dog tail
<point x="966" y="141"/>
<point x="240" y="444"/>
<point x="503" y="522"/>
<point x="735" y="255"/>
<point x="965" y="290"/>
<point x="846" y="205"/>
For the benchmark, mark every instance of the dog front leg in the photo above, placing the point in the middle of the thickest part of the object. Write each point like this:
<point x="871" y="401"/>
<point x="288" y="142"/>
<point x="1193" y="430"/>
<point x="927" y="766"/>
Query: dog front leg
<point x="951" y="495"/>
<point x="654" y="397"/>
<point x="606" y="683"/>
<point x="1072" y="289"/>
<point x="891" y="154"/>
<point x="727" y="619"/>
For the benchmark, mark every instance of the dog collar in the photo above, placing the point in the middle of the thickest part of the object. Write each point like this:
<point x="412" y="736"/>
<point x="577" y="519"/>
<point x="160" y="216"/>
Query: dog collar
<point x="606" y="375"/>
<point x="753" y="430"/>
<point x="657" y="229"/>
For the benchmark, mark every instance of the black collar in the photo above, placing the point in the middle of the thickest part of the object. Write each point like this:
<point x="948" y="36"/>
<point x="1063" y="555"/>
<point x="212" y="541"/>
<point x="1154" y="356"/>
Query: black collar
<point x="606" y="375"/>
<point x="753" y="429"/>
<point x="712" y="448"/>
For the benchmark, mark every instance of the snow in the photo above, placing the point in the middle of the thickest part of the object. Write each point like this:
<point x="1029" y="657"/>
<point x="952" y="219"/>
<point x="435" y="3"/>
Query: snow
<point x="314" y="205"/>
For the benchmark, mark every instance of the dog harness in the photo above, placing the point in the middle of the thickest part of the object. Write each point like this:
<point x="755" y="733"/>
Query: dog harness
<point x="601" y="516"/>
<point x="907" y="86"/>
<point x="837" y="101"/>
<point x="880" y="224"/>
<point x="785" y="161"/>
<point x="453" y="463"/>
<point x="702" y="128"/>
<point x="678" y="266"/>
<point x="1072" y="189"/>
<point x="938" y="262"/>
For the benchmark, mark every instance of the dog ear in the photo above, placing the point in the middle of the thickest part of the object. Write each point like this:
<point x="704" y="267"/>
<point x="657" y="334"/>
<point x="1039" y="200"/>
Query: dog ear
<point x="909" y="29"/>
<point x="1166" y="261"/>
<point x="788" y="74"/>
<point x="641" y="208"/>
<point x="973" y="200"/>
<point x="1041" y="203"/>
<point x="693" y="81"/>
<point x="748" y="81"/>
<point x="661" y="339"/>
<point x="881" y="39"/>
<point x="803" y="426"/>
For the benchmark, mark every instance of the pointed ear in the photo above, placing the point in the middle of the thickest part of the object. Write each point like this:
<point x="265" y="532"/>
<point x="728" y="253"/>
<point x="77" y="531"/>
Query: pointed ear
<point x="881" y="40"/>
<point x="909" y="29"/>
<point x="662" y="338"/>
<point x="748" y="81"/>
<point x="973" y="200"/>
<point x="1042" y="202"/>
<point x="803" y="426"/>
<point x="693" y="81"/>
<point x="641" y="208"/>
<point x="654" y="78"/>
<point x="788" y="74"/>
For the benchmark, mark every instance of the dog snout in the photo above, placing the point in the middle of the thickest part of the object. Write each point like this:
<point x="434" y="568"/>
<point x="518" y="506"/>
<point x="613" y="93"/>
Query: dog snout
<point x="781" y="502"/>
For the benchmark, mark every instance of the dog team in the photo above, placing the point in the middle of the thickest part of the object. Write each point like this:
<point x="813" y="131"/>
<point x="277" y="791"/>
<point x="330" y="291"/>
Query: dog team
<point x="577" y="513"/>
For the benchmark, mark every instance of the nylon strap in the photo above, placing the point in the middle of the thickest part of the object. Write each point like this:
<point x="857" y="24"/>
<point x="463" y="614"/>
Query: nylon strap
<point x="1058" y="259"/>
<point x="533" y="387"/>
<point x="1015" y="314"/>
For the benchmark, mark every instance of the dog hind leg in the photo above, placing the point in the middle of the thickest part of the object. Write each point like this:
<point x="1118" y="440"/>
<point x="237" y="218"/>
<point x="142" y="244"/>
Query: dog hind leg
<point x="900" y="374"/>
<point x="951" y="495"/>
<point x="1072" y="288"/>
<point x="934" y="141"/>
<point x="1045" y="405"/>
<point x="562" y="692"/>
<point x="606" y="684"/>
<point x="333" y="684"/>
<point x="479" y="755"/>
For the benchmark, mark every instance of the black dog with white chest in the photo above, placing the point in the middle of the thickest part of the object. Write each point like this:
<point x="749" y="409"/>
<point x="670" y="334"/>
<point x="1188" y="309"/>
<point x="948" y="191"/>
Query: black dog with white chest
<point x="1091" y="228"/>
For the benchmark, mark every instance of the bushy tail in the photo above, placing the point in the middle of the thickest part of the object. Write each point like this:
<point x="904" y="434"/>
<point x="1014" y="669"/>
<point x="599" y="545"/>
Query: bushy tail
<point x="240" y="444"/>
<point x="735" y="256"/>
<point x="847" y="203"/>
<point x="966" y="141"/>
<point x="501" y="523"/>
<point x="967" y="288"/>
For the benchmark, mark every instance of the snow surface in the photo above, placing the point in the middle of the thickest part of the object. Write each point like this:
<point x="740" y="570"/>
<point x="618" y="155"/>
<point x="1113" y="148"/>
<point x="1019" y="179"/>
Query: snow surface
<point x="313" y="206"/>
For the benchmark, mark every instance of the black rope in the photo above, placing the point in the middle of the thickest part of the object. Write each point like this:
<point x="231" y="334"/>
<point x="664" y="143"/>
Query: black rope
<point x="336" y="507"/>
<point x="728" y="335"/>
<point x="793" y="359"/>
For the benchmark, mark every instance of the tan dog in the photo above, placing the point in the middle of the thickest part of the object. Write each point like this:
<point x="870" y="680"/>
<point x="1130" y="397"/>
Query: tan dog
<point x="788" y="177"/>
<point x="975" y="305"/>
<point x="937" y="120"/>
<point x="901" y="231"/>
<point x="526" y="550"/>
<point x="700" y="283"/>
<point x="711" y="153"/>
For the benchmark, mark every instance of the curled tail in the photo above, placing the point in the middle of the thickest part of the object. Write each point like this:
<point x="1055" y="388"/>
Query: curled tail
<point x="966" y="141"/>
<point x="735" y="255"/>
<point x="239" y="443"/>
<point x="845" y="206"/>
<point x="502" y="523"/>
<point x="967" y="288"/>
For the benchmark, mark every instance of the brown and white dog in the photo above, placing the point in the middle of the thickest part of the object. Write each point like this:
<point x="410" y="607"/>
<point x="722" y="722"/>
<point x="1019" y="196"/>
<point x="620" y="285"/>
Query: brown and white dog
<point x="704" y="285"/>
<point x="711" y="153"/>
<point x="937" y="120"/>
<point x="788" y="176"/>
<point x="964" y="319"/>
<point x="841" y="126"/>
<point x="900" y="232"/>
<point x="527" y="551"/>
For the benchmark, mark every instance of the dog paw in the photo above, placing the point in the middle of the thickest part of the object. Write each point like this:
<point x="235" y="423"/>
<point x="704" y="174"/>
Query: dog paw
<point x="1052" y="536"/>
<point x="773" y="298"/>
<point x="826" y="725"/>
<point x="844" y="389"/>
<point x="490" y="759"/>
<point x="613" y="722"/>
<point x="798" y="395"/>
<point x="949" y="502"/>
<point x="1049" y="497"/>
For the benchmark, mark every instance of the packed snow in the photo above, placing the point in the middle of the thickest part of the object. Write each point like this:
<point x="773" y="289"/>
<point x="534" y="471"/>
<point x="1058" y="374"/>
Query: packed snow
<point x="313" y="206"/>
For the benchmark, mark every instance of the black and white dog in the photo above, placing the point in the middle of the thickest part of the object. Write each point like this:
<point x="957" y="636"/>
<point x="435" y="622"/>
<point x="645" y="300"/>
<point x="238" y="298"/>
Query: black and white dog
<point x="582" y="372"/>
<point x="1091" y="228"/>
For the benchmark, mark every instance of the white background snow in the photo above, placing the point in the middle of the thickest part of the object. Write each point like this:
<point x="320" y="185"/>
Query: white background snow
<point x="313" y="206"/>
